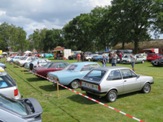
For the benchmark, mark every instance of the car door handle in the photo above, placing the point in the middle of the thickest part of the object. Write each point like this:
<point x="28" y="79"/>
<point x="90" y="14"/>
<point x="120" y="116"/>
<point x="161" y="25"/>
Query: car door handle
<point x="125" y="80"/>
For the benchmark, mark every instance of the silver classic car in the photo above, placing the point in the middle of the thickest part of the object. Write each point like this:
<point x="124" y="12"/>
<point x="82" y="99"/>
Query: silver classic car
<point x="22" y="110"/>
<point x="113" y="81"/>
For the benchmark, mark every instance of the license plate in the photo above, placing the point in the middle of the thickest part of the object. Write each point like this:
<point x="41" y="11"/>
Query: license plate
<point x="87" y="85"/>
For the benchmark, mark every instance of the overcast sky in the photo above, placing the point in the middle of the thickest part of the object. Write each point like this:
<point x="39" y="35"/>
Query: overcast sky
<point x="38" y="14"/>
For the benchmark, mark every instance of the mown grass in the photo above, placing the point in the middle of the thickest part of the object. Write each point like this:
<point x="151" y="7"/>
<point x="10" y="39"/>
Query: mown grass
<point x="66" y="106"/>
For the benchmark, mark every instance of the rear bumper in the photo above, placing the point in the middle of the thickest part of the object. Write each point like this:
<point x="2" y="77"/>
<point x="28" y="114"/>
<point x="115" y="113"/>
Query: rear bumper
<point x="97" y="93"/>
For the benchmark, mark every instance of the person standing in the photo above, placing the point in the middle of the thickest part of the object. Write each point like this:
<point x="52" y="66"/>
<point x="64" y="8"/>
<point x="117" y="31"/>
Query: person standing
<point x="38" y="64"/>
<point x="133" y="59"/>
<point x="114" y="59"/>
<point x="104" y="60"/>
<point x="120" y="56"/>
<point x="78" y="57"/>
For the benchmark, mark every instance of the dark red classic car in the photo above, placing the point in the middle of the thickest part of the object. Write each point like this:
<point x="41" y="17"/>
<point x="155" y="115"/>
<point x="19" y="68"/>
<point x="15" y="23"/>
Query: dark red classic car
<point x="49" y="67"/>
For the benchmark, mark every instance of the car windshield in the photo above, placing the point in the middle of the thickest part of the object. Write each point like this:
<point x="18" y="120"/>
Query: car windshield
<point x="71" y="67"/>
<point x="16" y="106"/>
<point x="47" y="65"/>
<point x="95" y="75"/>
<point x="24" y="58"/>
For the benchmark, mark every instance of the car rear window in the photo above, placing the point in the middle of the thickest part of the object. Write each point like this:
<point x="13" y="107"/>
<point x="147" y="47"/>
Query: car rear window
<point x="15" y="106"/>
<point x="6" y="81"/>
<point x="95" y="75"/>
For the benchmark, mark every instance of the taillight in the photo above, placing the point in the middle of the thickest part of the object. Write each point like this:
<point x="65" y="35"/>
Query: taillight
<point x="99" y="88"/>
<point x="80" y="83"/>
<point x="16" y="92"/>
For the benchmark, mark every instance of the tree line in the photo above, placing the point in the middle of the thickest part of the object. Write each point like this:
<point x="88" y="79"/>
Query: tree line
<point x="124" y="21"/>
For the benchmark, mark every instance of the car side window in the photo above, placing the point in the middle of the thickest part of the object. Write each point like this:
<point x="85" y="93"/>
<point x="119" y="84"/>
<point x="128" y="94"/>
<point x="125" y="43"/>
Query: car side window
<point x="72" y="67"/>
<point x="127" y="73"/>
<point x="62" y="65"/>
<point x="89" y="67"/>
<point x="54" y="66"/>
<point x="3" y="83"/>
<point x="114" y="75"/>
<point x="85" y="68"/>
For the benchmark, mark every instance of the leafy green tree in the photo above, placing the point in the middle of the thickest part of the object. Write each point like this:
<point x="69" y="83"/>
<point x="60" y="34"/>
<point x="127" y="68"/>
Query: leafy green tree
<point x="81" y="32"/>
<point x="12" y="37"/>
<point x="36" y="39"/>
<point x="52" y="39"/>
<point x="158" y="10"/>
<point x="4" y="36"/>
<point x="19" y="39"/>
<point x="133" y="19"/>
<point x="102" y="28"/>
<point x="77" y="33"/>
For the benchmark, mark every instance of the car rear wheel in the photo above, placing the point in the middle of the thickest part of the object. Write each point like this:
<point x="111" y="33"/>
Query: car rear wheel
<point x="88" y="94"/>
<point x="74" y="84"/>
<point x="111" y="95"/>
<point x="146" y="88"/>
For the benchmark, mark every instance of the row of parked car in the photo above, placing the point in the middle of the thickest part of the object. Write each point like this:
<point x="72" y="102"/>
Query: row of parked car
<point x="12" y="106"/>
<point x="140" y="58"/>
<point x="89" y="76"/>
<point x="94" y="79"/>
<point x="155" y="59"/>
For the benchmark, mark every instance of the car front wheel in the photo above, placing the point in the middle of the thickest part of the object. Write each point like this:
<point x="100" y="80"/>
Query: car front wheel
<point x="146" y="88"/>
<point x="74" y="84"/>
<point x="155" y="63"/>
<point x="111" y="95"/>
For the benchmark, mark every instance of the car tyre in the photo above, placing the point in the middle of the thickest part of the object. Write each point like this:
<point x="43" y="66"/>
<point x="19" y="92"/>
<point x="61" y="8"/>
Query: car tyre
<point x="88" y="94"/>
<point x="146" y="88"/>
<point x="74" y="84"/>
<point x="155" y="63"/>
<point x="111" y="96"/>
<point x="31" y="66"/>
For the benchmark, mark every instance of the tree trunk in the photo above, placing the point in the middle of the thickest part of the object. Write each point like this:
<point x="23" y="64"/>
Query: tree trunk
<point x="136" y="46"/>
<point x="123" y="45"/>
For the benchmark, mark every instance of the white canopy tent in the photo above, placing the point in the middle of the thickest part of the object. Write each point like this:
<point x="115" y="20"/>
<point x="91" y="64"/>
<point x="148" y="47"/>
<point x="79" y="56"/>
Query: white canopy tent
<point x="27" y="52"/>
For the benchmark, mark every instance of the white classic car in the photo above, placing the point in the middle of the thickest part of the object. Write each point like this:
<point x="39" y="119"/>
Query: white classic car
<point x="127" y="59"/>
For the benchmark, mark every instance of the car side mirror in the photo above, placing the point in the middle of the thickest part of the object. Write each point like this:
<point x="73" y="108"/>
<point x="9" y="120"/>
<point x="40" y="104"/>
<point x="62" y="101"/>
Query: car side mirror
<point x="138" y="76"/>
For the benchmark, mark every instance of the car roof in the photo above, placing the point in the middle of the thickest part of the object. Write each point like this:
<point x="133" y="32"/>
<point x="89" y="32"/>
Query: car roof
<point x="1" y="69"/>
<point x="110" y="68"/>
<point x="85" y="62"/>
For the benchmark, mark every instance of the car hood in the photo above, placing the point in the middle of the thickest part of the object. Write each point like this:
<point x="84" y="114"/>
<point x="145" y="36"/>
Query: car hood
<point x="61" y="73"/>
<point x="1" y="64"/>
<point x="40" y="68"/>
<point x="149" y="78"/>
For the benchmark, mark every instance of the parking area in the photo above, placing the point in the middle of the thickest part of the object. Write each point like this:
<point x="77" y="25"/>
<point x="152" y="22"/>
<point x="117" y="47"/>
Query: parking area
<point x="60" y="105"/>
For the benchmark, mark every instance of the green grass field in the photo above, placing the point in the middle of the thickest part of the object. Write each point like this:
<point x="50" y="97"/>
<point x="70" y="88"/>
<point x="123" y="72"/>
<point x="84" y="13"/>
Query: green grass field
<point x="66" y="106"/>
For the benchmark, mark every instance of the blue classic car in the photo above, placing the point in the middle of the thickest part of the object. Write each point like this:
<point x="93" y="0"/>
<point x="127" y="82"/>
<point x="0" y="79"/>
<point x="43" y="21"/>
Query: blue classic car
<point x="2" y="65"/>
<point x="71" y="74"/>
<point x="99" y="57"/>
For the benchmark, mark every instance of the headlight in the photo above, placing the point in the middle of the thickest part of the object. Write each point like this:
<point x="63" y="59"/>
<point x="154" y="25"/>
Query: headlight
<point x="50" y="77"/>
